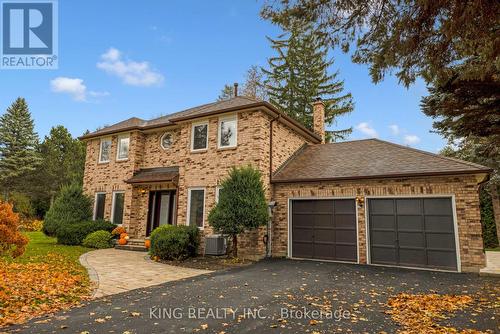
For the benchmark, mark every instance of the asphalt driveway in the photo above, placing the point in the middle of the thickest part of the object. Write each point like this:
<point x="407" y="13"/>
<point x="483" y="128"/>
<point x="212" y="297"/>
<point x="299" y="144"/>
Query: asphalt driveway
<point x="273" y="296"/>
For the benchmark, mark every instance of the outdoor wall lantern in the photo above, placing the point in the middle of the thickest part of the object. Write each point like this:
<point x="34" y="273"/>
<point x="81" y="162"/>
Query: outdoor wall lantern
<point x="360" y="200"/>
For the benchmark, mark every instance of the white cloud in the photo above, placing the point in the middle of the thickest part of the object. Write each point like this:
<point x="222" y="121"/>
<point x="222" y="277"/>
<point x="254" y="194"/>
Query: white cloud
<point x="411" y="139"/>
<point x="74" y="87"/>
<point x="131" y="72"/>
<point x="366" y="129"/>
<point x="395" y="129"/>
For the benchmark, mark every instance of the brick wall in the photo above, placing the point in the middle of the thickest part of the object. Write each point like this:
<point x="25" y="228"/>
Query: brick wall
<point x="464" y="188"/>
<point x="196" y="169"/>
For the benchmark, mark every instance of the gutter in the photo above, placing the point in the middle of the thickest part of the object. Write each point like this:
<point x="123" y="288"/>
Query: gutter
<point x="383" y="176"/>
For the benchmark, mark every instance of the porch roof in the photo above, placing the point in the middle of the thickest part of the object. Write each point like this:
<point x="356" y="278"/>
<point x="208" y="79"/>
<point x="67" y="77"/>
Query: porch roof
<point x="157" y="174"/>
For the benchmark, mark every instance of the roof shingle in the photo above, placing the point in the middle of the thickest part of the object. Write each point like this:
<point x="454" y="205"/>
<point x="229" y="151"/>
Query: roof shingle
<point x="370" y="158"/>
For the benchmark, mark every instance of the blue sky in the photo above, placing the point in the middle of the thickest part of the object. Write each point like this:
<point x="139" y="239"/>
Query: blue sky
<point x="119" y="59"/>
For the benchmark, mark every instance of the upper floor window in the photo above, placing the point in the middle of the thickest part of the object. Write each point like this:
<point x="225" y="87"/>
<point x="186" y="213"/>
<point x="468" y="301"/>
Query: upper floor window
<point x="123" y="145"/>
<point x="199" y="136"/>
<point x="166" y="140"/>
<point x="105" y="150"/>
<point x="228" y="131"/>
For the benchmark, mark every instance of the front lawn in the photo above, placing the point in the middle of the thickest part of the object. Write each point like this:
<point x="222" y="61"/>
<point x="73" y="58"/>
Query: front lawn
<point x="46" y="278"/>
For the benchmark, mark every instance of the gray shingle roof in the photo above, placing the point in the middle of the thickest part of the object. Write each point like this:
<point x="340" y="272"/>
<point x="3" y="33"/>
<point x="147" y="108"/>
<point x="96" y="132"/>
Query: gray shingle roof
<point x="206" y="109"/>
<point x="369" y="158"/>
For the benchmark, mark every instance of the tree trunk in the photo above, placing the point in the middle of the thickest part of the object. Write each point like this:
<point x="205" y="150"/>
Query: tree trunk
<point x="235" y="246"/>
<point x="495" y="198"/>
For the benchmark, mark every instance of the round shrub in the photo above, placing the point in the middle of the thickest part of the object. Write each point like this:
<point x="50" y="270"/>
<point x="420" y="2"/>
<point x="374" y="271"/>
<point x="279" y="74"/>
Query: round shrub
<point x="75" y="233"/>
<point x="170" y="242"/>
<point x="70" y="206"/>
<point x="98" y="239"/>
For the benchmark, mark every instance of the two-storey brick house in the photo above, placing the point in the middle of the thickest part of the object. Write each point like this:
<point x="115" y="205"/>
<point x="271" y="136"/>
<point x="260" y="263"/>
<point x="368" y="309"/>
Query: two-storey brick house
<point x="361" y="201"/>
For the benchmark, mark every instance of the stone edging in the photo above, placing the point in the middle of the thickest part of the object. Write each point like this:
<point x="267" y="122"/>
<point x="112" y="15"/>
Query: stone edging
<point x="93" y="275"/>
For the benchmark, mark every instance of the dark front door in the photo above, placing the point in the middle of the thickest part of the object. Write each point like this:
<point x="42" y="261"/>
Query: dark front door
<point x="412" y="232"/>
<point x="324" y="229"/>
<point x="162" y="205"/>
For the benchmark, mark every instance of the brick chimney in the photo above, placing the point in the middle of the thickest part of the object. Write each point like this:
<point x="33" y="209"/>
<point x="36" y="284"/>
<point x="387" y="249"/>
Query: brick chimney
<point x="319" y="118"/>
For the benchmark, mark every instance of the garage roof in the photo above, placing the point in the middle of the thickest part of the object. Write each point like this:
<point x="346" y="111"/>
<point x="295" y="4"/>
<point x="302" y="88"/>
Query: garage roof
<point x="370" y="158"/>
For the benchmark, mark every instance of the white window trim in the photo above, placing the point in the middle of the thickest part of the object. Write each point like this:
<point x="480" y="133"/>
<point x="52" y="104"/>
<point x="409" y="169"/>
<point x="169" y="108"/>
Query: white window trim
<point x="100" y="149"/>
<point x="113" y="205"/>
<point x="217" y="193"/>
<point x="189" y="207"/>
<point x="161" y="140"/>
<point x="95" y="203"/>
<point x="219" y="131"/>
<point x="192" y="136"/>
<point x="118" y="147"/>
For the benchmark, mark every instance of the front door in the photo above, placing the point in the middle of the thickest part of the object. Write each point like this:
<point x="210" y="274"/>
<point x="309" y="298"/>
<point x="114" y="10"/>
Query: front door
<point x="161" y="209"/>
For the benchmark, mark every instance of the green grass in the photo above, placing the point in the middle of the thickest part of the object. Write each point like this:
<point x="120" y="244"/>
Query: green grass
<point x="41" y="245"/>
<point x="497" y="249"/>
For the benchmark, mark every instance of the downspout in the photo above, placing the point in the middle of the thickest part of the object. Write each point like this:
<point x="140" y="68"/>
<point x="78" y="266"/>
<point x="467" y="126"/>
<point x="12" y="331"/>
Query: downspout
<point x="268" y="237"/>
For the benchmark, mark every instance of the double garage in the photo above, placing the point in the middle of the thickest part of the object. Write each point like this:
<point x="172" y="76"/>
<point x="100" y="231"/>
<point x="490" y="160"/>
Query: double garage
<point x="409" y="231"/>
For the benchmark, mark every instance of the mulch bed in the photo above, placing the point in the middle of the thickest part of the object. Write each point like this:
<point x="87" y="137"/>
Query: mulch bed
<point x="210" y="262"/>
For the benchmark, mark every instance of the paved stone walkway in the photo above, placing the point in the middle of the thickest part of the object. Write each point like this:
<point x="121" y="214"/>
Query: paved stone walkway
<point x="114" y="271"/>
<point x="492" y="264"/>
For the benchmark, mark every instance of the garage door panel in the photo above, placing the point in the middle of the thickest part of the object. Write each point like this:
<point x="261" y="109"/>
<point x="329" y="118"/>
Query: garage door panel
<point x="346" y="252"/>
<point x="423" y="235"/>
<point x="345" y="236"/>
<point x="383" y="255"/>
<point x="437" y="206"/>
<point x="382" y="206"/>
<point x="410" y="223"/>
<point x="345" y="220"/>
<point x="304" y="250"/>
<point x="439" y="223"/>
<point x="441" y="240"/>
<point x="382" y="222"/>
<point x="324" y="229"/>
<point x="442" y="259"/>
<point x="302" y="220"/>
<point x="410" y="239"/>
<point x="323" y="220"/>
<point x="345" y="206"/>
<point x="324" y="235"/>
<point x="387" y="238"/>
<point x="411" y="257"/>
<point x="408" y="206"/>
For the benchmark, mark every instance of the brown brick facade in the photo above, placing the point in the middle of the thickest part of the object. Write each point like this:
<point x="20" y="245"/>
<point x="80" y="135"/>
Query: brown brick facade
<point x="205" y="169"/>
<point x="463" y="188"/>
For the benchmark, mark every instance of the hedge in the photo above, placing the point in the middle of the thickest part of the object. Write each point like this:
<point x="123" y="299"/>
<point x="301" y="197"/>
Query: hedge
<point x="74" y="234"/>
<point x="170" y="242"/>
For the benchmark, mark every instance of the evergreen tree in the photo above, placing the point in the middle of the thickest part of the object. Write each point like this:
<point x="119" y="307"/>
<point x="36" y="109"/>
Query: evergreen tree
<point x="18" y="142"/>
<point x="299" y="74"/>
<point x="226" y="93"/>
<point x="63" y="162"/>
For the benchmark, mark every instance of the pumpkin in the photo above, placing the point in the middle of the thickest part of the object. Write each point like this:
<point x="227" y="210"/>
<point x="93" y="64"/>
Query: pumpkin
<point x="147" y="243"/>
<point x="126" y="237"/>
<point x="122" y="241"/>
<point x="123" y="235"/>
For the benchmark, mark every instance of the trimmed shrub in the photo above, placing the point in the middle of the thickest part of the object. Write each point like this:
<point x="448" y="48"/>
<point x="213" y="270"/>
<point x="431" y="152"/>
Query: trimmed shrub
<point x="170" y="242"/>
<point x="75" y="233"/>
<point x="70" y="206"/>
<point x="98" y="239"/>
<point x="12" y="242"/>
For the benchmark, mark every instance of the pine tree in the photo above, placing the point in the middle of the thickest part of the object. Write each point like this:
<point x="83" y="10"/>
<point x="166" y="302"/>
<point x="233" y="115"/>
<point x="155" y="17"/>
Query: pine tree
<point x="18" y="142"/>
<point x="226" y="93"/>
<point x="299" y="74"/>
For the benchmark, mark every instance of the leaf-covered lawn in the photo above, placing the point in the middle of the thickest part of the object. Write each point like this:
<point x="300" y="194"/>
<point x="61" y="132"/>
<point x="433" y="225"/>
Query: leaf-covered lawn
<point x="46" y="278"/>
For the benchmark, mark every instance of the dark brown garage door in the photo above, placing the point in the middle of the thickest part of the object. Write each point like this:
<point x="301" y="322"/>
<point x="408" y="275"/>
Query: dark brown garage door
<point x="324" y="229"/>
<point x="414" y="232"/>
